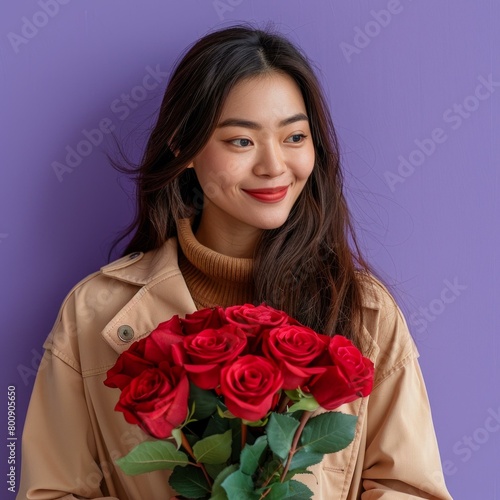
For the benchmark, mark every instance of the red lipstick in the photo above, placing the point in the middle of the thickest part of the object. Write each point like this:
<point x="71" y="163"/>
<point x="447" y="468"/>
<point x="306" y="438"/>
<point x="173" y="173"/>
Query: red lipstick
<point x="271" y="195"/>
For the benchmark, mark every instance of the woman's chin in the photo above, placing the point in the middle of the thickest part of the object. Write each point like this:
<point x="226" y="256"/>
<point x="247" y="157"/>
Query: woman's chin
<point x="273" y="223"/>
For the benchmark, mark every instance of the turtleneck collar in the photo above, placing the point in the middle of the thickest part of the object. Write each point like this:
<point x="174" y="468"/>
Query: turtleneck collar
<point x="213" y="278"/>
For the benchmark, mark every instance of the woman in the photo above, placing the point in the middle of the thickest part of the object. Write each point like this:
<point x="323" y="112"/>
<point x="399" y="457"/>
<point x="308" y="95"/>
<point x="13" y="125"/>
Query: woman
<point x="239" y="200"/>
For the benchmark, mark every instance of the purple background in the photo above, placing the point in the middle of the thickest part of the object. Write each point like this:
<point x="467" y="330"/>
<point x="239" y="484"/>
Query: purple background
<point x="391" y="79"/>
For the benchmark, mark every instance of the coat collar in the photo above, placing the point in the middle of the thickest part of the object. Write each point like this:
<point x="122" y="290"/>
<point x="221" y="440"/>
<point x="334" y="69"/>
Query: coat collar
<point x="162" y="294"/>
<point x="140" y="268"/>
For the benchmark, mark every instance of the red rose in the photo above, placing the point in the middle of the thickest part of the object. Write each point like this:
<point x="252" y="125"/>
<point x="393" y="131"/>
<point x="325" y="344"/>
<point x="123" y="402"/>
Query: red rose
<point x="356" y="367"/>
<point x="203" y="319"/>
<point x="156" y="400"/>
<point x="249" y="386"/>
<point x="252" y="319"/>
<point x="158" y="344"/>
<point x="129" y="365"/>
<point x="145" y="353"/>
<point x="204" y="354"/>
<point x="297" y="349"/>
<point x="351" y="376"/>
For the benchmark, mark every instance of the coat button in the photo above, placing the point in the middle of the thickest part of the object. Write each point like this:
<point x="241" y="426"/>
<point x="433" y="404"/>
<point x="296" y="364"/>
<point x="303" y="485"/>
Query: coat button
<point x="134" y="255"/>
<point x="125" y="333"/>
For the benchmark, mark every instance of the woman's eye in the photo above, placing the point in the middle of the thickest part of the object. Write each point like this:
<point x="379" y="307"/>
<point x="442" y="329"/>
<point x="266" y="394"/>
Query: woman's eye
<point x="241" y="142"/>
<point x="296" y="138"/>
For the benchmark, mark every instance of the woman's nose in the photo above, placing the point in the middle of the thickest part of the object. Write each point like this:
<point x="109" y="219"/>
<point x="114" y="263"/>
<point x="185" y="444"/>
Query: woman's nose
<point x="270" y="161"/>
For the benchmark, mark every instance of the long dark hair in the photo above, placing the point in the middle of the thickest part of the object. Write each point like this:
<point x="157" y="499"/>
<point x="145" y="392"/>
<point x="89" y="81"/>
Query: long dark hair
<point x="311" y="265"/>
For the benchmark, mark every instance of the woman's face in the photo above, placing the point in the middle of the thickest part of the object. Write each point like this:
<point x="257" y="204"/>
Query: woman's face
<point x="255" y="164"/>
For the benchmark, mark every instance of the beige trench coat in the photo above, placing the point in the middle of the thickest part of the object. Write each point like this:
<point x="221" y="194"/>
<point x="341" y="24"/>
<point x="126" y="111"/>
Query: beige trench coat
<point x="72" y="434"/>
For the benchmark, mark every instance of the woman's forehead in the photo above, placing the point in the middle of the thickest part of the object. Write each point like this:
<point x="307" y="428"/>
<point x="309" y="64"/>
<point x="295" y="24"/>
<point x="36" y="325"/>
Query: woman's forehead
<point x="272" y="97"/>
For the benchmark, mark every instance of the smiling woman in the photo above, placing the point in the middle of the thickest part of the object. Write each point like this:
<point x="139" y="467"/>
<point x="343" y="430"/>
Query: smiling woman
<point x="239" y="201"/>
<point x="255" y="165"/>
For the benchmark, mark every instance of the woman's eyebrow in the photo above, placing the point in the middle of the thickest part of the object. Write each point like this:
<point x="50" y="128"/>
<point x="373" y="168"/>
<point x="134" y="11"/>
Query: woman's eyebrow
<point x="240" y="122"/>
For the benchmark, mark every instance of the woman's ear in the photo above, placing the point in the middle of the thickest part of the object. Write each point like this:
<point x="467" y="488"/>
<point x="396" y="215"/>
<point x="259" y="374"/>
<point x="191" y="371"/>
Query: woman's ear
<point x="176" y="153"/>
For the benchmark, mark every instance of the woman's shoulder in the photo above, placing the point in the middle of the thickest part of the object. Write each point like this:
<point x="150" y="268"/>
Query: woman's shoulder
<point x="384" y="326"/>
<point x="93" y="302"/>
<point x="375" y="294"/>
<point x="136" y="268"/>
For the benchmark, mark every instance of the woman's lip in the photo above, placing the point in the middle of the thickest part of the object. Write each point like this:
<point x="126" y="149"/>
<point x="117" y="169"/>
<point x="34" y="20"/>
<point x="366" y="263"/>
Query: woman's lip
<point x="278" y="189"/>
<point x="268" y="195"/>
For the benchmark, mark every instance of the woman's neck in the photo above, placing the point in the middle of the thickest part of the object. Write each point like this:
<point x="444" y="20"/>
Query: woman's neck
<point x="213" y="278"/>
<point x="228" y="237"/>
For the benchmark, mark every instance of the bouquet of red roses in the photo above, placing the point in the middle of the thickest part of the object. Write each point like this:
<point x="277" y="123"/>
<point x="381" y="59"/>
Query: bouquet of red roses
<point x="232" y="396"/>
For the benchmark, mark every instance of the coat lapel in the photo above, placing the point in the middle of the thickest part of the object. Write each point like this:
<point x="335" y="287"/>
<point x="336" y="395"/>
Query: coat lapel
<point x="162" y="294"/>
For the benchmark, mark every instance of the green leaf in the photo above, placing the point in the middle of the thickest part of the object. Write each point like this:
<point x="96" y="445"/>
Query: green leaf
<point x="297" y="394"/>
<point x="270" y="471"/>
<point x="294" y="394"/>
<point x="206" y="402"/>
<point x="303" y="459"/>
<point x="216" y="425"/>
<point x="191" y="438"/>
<point x="308" y="404"/>
<point x="224" y="413"/>
<point x="256" y="423"/>
<point x="292" y="473"/>
<point x="152" y="455"/>
<point x="251" y="454"/>
<point x="329" y="432"/>
<point x="214" y="449"/>
<point x="280" y="431"/>
<point x="177" y="435"/>
<point x="214" y="469"/>
<point x="189" y="482"/>
<point x="239" y="485"/>
<point x="218" y="492"/>
<point x="235" y="426"/>
<point x="292" y="490"/>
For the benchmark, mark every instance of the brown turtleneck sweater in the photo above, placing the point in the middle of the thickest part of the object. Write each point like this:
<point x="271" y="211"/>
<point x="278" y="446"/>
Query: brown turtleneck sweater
<point x="213" y="279"/>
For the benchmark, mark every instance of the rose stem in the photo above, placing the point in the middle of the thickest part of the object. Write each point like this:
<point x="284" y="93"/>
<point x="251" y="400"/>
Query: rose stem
<point x="303" y="421"/>
<point x="266" y="483"/>
<point x="264" y="495"/>
<point x="243" y="435"/>
<point x="187" y="447"/>
<point x="283" y="403"/>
